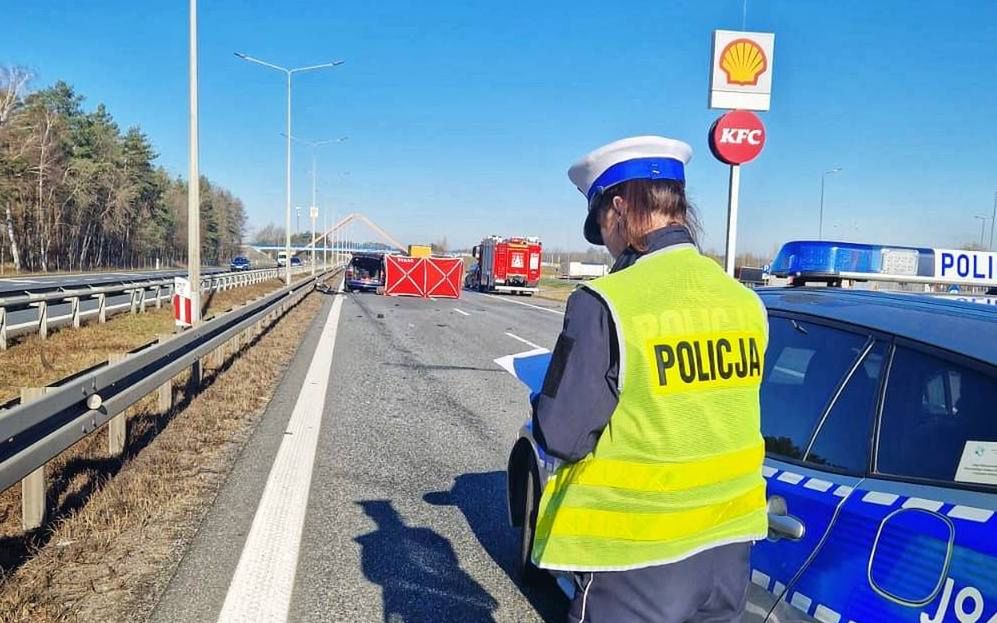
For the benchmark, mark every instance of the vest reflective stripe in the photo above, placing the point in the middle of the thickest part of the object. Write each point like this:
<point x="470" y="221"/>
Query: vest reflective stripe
<point x="665" y="476"/>
<point x="678" y="468"/>
<point x="661" y="526"/>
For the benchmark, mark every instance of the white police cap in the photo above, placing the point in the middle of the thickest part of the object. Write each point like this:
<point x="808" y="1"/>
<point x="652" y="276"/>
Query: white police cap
<point x="639" y="157"/>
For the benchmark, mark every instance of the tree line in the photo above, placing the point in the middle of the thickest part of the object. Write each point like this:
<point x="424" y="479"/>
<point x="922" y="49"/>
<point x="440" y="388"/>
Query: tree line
<point x="78" y="194"/>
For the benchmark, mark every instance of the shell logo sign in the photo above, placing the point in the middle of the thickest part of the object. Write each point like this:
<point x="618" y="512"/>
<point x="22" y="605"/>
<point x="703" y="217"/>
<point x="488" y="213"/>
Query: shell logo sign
<point x="742" y="70"/>
<point x="743" y="61"/>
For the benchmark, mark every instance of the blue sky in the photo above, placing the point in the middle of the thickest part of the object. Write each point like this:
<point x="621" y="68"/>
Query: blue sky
<point x="463" y="117"/>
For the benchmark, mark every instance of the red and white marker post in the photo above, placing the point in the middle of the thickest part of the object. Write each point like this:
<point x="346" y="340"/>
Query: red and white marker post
<point x="735" y="138"/>
<point x="182" y="304"/>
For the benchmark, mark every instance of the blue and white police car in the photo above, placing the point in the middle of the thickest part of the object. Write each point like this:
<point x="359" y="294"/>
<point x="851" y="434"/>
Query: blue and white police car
<point x="879" y="412"/>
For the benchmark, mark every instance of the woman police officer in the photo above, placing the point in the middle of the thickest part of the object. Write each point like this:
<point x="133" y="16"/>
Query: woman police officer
<point x="651" y="399"/>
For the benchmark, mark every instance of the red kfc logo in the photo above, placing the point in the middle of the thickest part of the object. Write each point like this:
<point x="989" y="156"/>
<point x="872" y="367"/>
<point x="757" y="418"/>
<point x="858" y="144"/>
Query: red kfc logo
<point x="737" y="137"/>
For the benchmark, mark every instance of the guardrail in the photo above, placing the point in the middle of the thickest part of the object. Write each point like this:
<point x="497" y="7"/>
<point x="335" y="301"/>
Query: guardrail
<point x="49" y="420"/>
<point x="140" y="293"/>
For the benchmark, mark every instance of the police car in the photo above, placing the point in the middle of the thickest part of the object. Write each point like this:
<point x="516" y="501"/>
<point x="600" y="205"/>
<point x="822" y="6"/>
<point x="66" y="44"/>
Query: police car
<point x="879" y="412"/>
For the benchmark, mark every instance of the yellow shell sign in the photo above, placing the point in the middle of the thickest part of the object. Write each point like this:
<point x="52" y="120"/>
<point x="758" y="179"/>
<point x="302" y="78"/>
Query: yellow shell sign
<point x="741" y="70"/>
<point x="743" y="61"/>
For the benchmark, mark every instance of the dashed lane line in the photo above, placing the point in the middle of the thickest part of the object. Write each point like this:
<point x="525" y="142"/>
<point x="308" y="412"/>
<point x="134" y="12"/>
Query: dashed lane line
<point x="527" y="342"/>
<point x="505" y="300"/>
<point x="461" y="312"/>
<point x="260" y="591"/>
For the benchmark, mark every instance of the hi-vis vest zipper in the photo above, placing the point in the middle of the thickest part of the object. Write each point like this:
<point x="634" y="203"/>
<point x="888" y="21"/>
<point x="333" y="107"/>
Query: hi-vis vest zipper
<point x="678" y="469"/>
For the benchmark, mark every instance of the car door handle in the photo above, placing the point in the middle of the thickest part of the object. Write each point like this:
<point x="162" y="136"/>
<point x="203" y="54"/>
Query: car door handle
<point x="786" y="527"/>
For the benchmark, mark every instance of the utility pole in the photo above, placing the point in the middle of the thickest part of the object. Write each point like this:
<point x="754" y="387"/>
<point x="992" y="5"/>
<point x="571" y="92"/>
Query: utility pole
<point x="287" y="177"/>
<point x="193" y="184"/>
<point x="313" y="212"/>
<point x="993" y="218"/>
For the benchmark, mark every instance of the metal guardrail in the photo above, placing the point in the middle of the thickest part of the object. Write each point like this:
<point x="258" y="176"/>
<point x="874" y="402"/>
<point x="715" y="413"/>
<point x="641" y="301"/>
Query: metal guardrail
<point x="140" y="292"/>
<point x="36" y="431"/>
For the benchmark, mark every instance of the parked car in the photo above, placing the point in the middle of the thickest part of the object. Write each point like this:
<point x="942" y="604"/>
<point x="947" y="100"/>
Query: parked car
<point x="879" y="413"/>
<point x="365" y="272"/>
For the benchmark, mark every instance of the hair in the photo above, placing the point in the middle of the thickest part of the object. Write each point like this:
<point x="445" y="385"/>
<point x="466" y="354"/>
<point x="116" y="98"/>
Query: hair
<point x="646" y="199"/>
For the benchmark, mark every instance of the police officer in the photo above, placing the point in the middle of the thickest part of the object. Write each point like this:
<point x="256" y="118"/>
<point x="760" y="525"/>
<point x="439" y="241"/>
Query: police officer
<point x="651" y="399"/>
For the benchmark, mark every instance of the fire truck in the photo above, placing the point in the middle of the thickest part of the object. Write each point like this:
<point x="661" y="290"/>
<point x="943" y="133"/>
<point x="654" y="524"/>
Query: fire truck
<point x="506" y="265"/>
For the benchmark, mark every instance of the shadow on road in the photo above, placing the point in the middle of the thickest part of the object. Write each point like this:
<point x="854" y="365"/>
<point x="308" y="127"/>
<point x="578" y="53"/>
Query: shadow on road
<point x="421" y="580"/>
<point x="481" y="498"/>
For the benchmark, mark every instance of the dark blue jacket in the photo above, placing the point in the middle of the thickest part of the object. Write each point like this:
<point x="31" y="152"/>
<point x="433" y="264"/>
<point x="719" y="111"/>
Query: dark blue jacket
<point x="581" y="391"/>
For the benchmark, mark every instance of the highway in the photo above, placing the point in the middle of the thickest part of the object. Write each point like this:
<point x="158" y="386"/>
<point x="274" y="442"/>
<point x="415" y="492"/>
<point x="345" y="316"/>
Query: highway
<point x="46" y="283"/>
<point x="401" y="515"/>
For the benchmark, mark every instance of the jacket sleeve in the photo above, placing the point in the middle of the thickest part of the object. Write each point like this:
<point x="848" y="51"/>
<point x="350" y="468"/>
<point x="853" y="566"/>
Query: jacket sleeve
<point x="580" y="390"/>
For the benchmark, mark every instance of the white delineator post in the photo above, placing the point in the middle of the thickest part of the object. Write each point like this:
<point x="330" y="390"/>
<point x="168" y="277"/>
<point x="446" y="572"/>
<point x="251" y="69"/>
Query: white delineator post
<point x="733" y="190"/>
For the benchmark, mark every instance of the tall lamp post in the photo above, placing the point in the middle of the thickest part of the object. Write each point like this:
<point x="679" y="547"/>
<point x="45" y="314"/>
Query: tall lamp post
<point x="993" y="219"/>
<point x="287" y="206"/>
<point x="193" y="184"/>
<point x="820" y="216"/>
<point x="983" y="226"/>
<point x="315" y="145"/>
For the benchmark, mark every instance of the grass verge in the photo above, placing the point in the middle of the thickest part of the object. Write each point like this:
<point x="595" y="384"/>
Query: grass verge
<point x="120" y="526"/>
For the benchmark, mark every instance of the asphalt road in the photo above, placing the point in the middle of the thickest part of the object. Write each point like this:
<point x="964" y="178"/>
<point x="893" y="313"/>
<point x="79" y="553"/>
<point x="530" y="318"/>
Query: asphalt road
<point x="14" y="285"/>
<point x="406" y="515"/>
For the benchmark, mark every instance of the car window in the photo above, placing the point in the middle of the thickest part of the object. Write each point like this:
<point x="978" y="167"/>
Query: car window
<point x="843" y="441"/>
<point x="804" y="365"/>
<point x="939" y="421"/>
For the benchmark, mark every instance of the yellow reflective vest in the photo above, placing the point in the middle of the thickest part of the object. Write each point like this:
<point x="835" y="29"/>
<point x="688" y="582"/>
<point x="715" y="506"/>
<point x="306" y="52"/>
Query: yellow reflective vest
<point x="678" y="468"/>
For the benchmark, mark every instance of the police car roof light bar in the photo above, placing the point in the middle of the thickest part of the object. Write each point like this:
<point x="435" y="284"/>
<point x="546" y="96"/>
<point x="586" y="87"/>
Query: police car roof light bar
<point x="823" y="261"/>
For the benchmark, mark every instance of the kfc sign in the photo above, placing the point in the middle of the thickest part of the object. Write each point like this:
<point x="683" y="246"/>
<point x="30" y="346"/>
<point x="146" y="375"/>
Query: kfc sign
<point x="737" y="137"/>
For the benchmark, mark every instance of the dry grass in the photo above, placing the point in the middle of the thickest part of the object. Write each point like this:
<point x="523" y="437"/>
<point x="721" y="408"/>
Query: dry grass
<point x="34" y="362"/>
<point x="114" y="542"/>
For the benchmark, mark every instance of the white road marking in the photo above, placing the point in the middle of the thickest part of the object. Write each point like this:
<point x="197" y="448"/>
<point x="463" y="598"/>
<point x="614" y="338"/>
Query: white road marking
<point x="20" y="281"/>
<point x="261" y="587"/>
<point x="461" y="312"/>
<point x="527" y="342"/>
<point x="505" y="300"/>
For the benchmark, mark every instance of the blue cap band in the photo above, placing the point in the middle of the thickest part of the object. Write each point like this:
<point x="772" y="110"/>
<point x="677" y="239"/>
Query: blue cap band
<point x="638" y="169"/>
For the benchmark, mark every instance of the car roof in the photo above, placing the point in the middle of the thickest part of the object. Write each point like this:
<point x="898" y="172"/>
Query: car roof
<point x="959" y="326"/>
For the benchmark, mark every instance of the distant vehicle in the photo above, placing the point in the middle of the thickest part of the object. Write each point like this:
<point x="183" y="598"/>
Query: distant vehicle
<point x="877" y="410"/>
<point x="509" y="265"/>
<point x="295" y="260"/>
<point x="240" y="263"/>
<point x="420" y="250"/>
<point x="365" y="272"/>
<point x="281" y="258"/>
<point x="583" y="270"/>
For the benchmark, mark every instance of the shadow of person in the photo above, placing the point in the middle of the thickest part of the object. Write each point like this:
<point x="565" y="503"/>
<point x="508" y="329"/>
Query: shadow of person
<point x="481" y="498"/>
<point x="417" y="569"/>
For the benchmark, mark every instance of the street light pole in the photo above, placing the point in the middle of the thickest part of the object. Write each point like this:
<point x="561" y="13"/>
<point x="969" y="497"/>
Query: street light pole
<point x="993" y="219"/>
<point x="193" y="184"/>
<point x="820" y="217"/>
<point x="983" y="227"/>
<point x="315" y="145"/>
<point x="287" y="177"/>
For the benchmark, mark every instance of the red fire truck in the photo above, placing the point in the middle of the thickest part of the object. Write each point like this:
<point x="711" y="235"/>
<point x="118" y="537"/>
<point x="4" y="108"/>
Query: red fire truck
<point x="506" y="265"/>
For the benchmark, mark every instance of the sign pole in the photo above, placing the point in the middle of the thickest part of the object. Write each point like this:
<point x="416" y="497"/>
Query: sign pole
<point x="733" y="193"/>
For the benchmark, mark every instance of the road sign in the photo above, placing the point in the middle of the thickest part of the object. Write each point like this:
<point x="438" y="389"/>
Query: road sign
<point x="313" y="213"/>
<point x="737" y="137"/>
<point x="182" y="307"/>
<point x="741" y="72"/>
